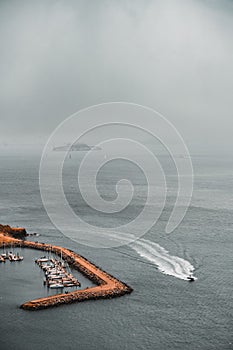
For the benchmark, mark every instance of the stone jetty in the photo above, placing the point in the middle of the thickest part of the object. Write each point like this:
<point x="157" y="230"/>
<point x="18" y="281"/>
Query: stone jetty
<point x="107" y="286"/>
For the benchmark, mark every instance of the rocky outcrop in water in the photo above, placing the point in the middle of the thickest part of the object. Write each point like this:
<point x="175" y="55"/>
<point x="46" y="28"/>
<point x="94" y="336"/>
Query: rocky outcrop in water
<point x="16" y="232"/>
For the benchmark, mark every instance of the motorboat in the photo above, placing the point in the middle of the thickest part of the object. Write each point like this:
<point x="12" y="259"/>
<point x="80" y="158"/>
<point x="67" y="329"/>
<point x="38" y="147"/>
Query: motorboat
<point x="190" y="278"/>
<point x="42" y="259"/>
<point x="56" y="285"/>
<point x="2" y="259"/>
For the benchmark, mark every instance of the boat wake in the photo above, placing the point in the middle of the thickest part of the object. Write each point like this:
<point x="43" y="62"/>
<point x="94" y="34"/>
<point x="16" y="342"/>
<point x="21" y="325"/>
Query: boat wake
<point x="152" y="252"/>
<point x="166" y="263"/>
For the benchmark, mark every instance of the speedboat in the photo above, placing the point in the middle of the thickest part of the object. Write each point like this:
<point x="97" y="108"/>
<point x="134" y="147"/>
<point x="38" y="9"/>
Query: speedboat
<point x="190" y="278"/>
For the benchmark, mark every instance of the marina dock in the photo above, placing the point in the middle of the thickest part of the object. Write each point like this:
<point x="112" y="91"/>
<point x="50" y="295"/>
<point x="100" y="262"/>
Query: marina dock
<point x="107" y="286"/>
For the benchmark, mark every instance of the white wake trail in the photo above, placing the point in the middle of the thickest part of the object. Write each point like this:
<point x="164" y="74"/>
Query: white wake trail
<point x="166" y="263"/>
<point x="153" y="252"/>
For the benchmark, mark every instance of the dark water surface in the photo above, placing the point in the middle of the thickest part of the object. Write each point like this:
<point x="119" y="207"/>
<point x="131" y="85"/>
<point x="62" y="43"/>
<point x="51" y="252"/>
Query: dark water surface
<point x="163" y="312"/>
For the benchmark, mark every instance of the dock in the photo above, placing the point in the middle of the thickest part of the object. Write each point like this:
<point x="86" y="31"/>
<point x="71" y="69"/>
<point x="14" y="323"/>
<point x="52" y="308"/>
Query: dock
<point x="107" y="286"/>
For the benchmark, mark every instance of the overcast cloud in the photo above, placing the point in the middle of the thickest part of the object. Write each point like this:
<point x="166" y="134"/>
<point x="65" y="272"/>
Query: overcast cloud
<point x="172" y="55"/>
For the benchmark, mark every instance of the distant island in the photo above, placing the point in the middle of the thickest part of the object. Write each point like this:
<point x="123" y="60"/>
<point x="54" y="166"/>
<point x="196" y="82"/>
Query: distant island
<point x="76" y="147"/>
<point x="107" y="286"/>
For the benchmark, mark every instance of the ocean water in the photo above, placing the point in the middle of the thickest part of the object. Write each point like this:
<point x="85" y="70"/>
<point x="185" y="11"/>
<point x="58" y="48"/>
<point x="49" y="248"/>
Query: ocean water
<point x="164" y="311"/>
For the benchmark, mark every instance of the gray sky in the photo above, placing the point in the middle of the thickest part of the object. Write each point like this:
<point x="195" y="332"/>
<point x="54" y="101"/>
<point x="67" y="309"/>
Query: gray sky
<point x="172" y="55"/>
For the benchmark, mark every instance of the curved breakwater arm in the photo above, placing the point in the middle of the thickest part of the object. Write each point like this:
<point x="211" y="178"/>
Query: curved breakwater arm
<point x="106" y="287"/>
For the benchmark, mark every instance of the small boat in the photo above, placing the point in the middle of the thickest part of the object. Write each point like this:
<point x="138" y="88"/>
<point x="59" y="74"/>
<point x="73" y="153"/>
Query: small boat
<point x="69" y="284"/>
<point x="46" y="267"/>
<point x="5" y="253"/>
<point x="11" y="256"/>
<point x="190" y="278"/>
<point x="2" y="259"/>
<point x="56" y="285"/>
<point x="42" y="259"/>
<point x="51" y="282"/>
<point x="19" y="258"/>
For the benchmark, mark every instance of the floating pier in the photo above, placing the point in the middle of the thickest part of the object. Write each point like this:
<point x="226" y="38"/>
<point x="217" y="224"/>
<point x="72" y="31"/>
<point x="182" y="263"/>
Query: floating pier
<point x="107" y="286"/>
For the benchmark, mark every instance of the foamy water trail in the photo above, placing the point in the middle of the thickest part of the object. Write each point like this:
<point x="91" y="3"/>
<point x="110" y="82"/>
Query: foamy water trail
<point x="166" y="263"/>
<point x="153" y="252"/>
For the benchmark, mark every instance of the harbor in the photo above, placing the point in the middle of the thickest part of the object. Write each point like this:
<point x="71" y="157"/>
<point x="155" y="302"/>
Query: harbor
<point x="10" y="255"/>
<point x="106" y="286"/>
<point x="57" y="274"/>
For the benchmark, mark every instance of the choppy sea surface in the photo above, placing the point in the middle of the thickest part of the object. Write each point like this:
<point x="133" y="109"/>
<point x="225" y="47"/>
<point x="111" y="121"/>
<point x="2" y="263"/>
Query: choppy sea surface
<point x="164" y="311"/>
